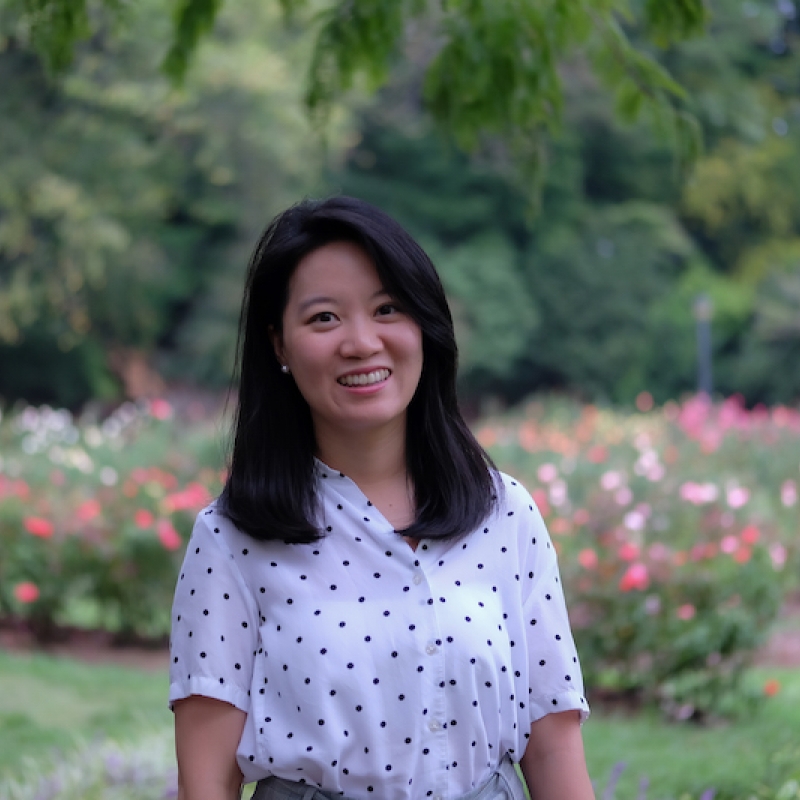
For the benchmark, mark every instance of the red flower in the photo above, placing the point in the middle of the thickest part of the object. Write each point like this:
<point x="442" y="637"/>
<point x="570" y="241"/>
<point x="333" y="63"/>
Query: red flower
<point x="597" y="454"/>
<point x="628" y="552"/>
<point x="26" y="592"/>
<point x="38" y="526"/>
<point x="635" y="577"/>
<point x="750" y="535"/>
<point x="143" y="518"/>
<point x="771" y="687"/>
<point x="88" y="510"/>
<point x="167" y="535"/>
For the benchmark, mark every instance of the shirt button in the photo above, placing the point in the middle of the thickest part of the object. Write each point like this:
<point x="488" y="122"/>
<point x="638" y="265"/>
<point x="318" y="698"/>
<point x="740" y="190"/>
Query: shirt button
<point x="418" y="578"/>
<point x="431" y="649"/>
<point x="434" y="725"/>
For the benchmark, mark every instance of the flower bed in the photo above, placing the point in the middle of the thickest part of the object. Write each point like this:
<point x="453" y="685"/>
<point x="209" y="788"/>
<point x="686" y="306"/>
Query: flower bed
<point x="675" y="528"/>
<point x="94" y="516"/>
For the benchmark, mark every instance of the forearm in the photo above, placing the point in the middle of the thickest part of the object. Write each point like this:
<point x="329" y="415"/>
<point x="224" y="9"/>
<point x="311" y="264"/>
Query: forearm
<point x="557" y="777"/>
<point x="554" y="764"/>
<point x="207" y="733"/>
<point x="195" y="790"/>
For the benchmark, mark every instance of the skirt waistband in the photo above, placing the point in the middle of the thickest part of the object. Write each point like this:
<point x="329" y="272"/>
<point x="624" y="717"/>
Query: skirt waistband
<point x="503" y="784"/>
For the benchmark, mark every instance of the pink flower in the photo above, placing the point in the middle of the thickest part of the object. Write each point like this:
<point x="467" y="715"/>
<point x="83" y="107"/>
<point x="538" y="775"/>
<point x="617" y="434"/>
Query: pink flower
<point x="38" y="526"/>
<point x="160" y="409"/>
<point x="628" y="552"/>
<point x="738" y="496"/>
<point x="143" y="518"/>
<point x="623" y="496"/>
<point x="88" y="510"/>
<point x="686" y="612"/>
<point x="658" y="551"/>
<point x="655" y="473"/>
<point x="610" y="480"/>
<point x="788" y="493"/>
<point x="26" y="592"/>
<point x="167" y="535"/>
<point x="698" y="493"/>
<point x="635" y="577"/>
<point x="587" y="558"/>
<point x="729" y="544"/>
<point x="547" y="472"/>
<point x="635" y="520"/>
<point x="581" y="516"/>
<point x="777" y="552"/>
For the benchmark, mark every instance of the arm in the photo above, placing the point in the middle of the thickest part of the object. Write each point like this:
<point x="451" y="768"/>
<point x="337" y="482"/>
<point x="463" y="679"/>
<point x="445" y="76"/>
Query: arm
<point x="554" y="765"/>
<point x="207" y="733"/>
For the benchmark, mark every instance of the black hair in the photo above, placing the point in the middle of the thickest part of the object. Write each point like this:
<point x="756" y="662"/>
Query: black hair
<point x="270" y="492"/>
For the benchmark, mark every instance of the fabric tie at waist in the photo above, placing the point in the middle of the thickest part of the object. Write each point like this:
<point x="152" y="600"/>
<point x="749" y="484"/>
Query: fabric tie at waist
<point x="503" y="784"/>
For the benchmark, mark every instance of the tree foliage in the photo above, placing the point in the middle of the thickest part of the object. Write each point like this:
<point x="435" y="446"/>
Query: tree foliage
<point x="121" y="198"/>
<point x="491" y="66"/>
<point x="129" y="204"/>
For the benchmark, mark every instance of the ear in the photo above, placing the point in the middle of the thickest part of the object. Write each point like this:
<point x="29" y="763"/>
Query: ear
<point x="277" y="343"/>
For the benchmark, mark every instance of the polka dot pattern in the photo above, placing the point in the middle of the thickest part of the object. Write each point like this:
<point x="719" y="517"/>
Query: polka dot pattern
<point x="362" y="663"/>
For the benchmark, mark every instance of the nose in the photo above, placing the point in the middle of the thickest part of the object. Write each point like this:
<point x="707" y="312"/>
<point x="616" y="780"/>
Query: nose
<point x="361" y="339"/>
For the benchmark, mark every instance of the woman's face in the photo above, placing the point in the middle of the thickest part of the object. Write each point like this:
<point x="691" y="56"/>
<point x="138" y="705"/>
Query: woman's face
<point x="355" y="355"/>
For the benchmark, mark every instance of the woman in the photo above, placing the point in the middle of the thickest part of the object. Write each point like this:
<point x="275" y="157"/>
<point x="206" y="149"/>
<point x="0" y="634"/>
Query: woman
<point x="370" y="609"/>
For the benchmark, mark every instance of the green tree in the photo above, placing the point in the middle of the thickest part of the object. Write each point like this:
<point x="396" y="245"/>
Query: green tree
<point x="490" y="66"/>
<point x="125" y="206"/>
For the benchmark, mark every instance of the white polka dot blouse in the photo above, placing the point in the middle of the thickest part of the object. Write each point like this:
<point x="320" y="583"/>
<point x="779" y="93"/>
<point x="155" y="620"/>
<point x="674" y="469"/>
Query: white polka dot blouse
<point x="371" y="669"/>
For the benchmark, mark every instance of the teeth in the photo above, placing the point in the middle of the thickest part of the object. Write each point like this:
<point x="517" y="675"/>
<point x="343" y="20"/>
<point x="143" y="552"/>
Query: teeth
<point x="365" y="379"/>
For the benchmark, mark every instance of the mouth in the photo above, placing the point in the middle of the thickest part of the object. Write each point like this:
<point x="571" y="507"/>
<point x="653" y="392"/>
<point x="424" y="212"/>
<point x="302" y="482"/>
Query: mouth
<point x="364" y="378"/>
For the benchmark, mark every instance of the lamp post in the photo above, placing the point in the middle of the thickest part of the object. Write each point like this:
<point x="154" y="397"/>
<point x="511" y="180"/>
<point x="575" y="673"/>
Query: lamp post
<point x="703" y="310"/>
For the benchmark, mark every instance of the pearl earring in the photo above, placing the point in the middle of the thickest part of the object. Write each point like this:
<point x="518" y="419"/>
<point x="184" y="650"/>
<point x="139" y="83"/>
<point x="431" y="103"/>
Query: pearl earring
<point x="284" y="369"/>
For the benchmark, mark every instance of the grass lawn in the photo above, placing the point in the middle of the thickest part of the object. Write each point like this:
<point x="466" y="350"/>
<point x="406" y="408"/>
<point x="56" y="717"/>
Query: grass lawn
<point x="677" y="758"/>
<point x="48" y="703"/>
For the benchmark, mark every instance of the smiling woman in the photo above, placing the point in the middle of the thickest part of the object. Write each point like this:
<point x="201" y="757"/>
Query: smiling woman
<point x="370" y="608"/>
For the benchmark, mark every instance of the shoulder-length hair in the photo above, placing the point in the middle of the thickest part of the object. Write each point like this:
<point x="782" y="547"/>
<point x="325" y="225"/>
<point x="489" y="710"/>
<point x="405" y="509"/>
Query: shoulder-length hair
<point x="270" y="491"/>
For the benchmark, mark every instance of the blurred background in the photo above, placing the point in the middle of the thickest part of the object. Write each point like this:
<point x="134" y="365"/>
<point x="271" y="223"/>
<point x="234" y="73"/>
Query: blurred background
<point x="129" y="207"/>
<point x="609" y="191"/>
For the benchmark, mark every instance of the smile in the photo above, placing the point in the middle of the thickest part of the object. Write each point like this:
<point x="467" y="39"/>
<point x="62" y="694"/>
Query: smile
<point x="365" y="378"/>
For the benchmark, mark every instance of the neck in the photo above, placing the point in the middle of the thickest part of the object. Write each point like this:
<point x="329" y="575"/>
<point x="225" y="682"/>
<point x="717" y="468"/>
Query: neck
<point x="367" y="457"/>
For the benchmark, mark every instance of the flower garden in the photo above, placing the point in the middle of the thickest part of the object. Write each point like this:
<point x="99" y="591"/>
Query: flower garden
<point x="677" y="529"/>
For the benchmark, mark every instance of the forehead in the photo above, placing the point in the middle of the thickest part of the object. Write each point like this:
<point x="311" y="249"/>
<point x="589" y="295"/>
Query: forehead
<point x="335" y="268"/>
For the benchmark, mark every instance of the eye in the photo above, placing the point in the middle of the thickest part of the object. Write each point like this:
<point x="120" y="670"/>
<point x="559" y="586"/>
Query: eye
<point x="322" y="316"/>
<point x="385" y="309"/>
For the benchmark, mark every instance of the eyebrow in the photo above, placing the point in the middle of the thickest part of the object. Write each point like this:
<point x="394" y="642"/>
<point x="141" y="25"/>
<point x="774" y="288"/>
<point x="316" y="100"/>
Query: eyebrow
<point x="317" y="298"/>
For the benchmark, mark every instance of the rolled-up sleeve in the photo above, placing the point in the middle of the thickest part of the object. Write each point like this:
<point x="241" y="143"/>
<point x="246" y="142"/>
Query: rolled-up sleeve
<point x="214" y="622"/>
<point x="556" y="682"/>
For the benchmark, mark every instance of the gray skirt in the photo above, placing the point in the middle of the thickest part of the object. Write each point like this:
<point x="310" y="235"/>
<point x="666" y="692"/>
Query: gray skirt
<point x="503" y="784"/>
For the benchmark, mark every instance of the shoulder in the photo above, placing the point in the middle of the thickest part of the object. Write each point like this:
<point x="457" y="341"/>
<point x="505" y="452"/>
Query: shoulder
<point x="212" y="522"/>
<point x="512" y="494"/>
